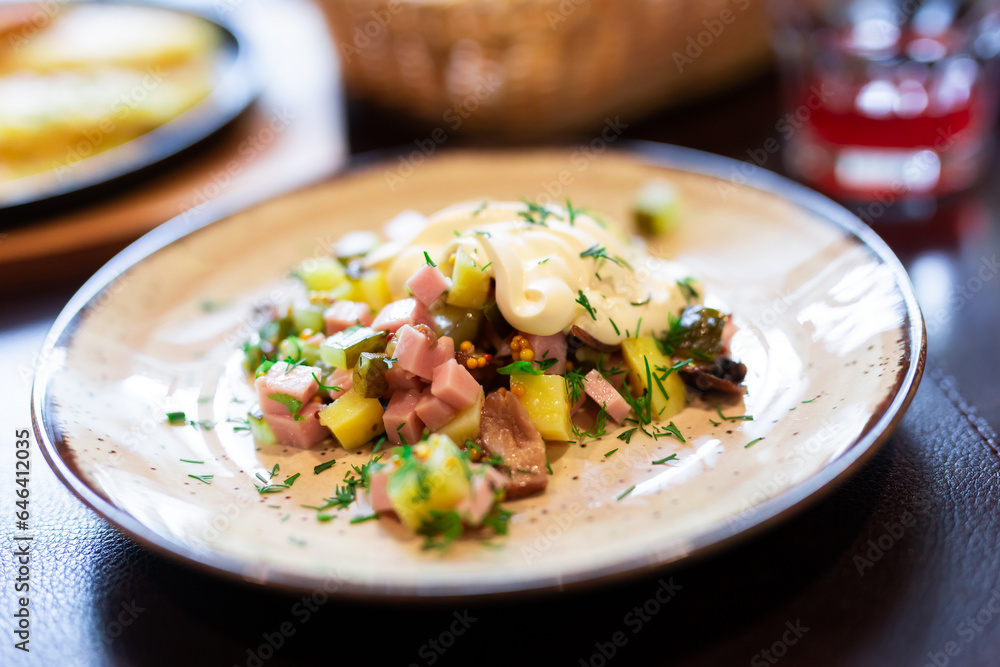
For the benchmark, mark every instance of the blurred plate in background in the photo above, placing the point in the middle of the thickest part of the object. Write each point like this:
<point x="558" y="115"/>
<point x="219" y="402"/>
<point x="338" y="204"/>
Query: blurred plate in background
<point x="91" y="92"/>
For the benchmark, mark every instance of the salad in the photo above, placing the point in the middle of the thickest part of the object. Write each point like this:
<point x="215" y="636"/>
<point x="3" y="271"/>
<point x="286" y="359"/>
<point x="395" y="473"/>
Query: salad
<point x="468" y="341"/>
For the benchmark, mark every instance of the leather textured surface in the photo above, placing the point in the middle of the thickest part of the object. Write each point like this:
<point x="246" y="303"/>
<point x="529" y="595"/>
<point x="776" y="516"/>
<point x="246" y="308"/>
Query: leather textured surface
<point x="893" y="568"/>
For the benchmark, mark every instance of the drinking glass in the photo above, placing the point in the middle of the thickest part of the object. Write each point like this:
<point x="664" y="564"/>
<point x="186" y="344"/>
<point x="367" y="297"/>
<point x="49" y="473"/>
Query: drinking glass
<point x="887" y="98"/>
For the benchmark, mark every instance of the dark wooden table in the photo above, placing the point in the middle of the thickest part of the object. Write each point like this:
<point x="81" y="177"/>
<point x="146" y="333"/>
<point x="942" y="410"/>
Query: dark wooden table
<point x="900" y="566"/>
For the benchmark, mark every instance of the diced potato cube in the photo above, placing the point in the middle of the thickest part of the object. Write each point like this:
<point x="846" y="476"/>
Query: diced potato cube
<point x="465" y="425"/>
<point x="433" y="478"/>
<point x="469" y="284"/>
<point x="321" y="273"/>
<point x="346" y="291"/>
<point x="547" y="404"/>
<point x="372" y="289"/>
<point x="667" y="401"/>
<point x="353" y="419"/>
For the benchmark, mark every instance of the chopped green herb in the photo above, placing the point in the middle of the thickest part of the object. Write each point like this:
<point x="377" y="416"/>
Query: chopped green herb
<point x="548" y="466"/>
<point x="190" y="461"/>
<point x="672" y="429"/>
<point x="615" y="327"/>
<point x="326" y="387"/>
<point x="571" y="212"/>
<point x="498" y="519"/>
<point x="642" y="303"/>
<point x="597" y="251"/>
<point x="270" y="488"/>
<point x="323" y="518"/>
<point x="574" y="386"/>
<point x="441" y="529"/>
<point x="520" y="368"/>
<point x="627" y="491"/>
<point x="362" y="519"/>
<point x="535" y="215"/>
<point x="607" y="454"/>
<point x="811" y="400"/>
<point x="204" y="479"/>
<point x="672" y="457"/>
<point x="325" y="465"/>
<point x="752" y="443"/>
<point x="689" y="292"/>
<point x="746" y="418"/>
<point x="428" y="259"/>
<point x="487" y="266"/>
<point x="291" y="480"/>
<point x="585" y="302"/>
<point x="482" y="207"/>
<point x="293" y="404"/>
<point x="627" y="435"/>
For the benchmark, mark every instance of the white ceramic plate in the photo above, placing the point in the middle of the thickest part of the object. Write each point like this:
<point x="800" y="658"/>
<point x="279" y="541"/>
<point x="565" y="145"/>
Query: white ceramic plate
<point x="829" y="329"/>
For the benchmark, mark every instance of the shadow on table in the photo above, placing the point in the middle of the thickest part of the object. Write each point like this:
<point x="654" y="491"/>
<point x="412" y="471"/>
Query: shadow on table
<point x="729" y="602"/>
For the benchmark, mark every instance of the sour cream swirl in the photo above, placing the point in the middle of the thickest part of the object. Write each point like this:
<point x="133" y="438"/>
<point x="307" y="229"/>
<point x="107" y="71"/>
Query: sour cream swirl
<point x="553" y="270"/>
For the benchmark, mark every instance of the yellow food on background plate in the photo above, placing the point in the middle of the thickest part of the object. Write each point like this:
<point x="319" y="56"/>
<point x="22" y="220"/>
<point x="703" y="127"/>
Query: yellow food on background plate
<point x="91" y="77"/>
<point x="498" y="329"/>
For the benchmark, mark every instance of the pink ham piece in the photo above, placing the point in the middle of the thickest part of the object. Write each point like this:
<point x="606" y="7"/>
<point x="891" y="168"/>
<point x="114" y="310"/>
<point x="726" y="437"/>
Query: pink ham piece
<point x="549" y="347"/>
<point x="478" y="504"/>
<point x="399" y="379"/>
<point x="343" y="378"/>
<point x="454" y="385"/>
<point x="401" y="420"/>
<point x="402" y="312"/>
<point x="345" y="314"/>
<point x="434" y="412"/>
<point x="427" y="284"/>
<point x="301" y="433"/>
<point x="378" y="492"/>
<point x="419" y="351"/>
<point x="298" y="383"/>
<point x="604" y="393"/>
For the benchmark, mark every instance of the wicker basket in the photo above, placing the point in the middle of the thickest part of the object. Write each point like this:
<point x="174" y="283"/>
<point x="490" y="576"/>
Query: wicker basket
<point x="529" y="67"/>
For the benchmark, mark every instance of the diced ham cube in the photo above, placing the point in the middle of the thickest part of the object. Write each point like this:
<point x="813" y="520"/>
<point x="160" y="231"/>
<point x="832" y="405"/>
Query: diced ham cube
<point x="401" y="420"/>
<point x="477" y="505"/>
<point x="414" y="348"/>
<point x="419" y="351"/>
<point x="297" y="382"/>
<point x="399" y="313"/>
<point x="434" y="412"/>
<point x="343" y="378"/>
<point x="401" y="380"/>
<point x="302" y="433"/>
<point x="378" y="494"/>
<point x="604" y="393"/>
<point x="346" y="314"/>
<point x="454" y="385"/>
<point x="549" y="347"/>
<point x="427" y="284"/>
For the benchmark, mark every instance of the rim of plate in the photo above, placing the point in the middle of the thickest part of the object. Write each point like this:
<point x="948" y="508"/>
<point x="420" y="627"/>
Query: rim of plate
<point x="769" y="513"/>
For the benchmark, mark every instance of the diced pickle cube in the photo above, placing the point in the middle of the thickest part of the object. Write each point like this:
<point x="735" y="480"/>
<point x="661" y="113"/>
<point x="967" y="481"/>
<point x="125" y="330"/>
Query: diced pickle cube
<point x="344" y="348"/>
<point x="369" y="374"/>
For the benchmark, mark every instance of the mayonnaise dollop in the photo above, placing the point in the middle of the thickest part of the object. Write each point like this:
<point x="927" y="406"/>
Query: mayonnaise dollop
<point x="547" y="265"/>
